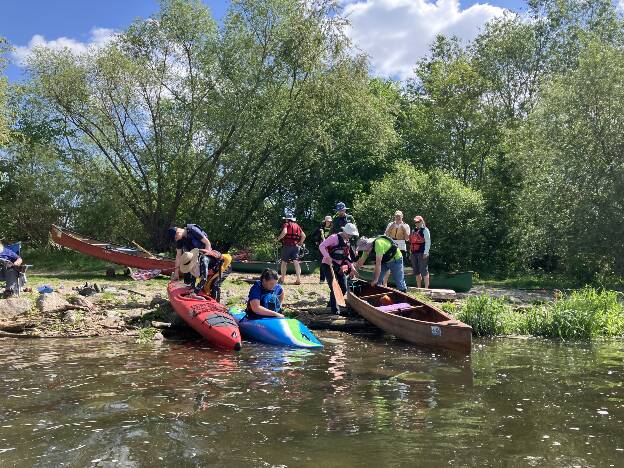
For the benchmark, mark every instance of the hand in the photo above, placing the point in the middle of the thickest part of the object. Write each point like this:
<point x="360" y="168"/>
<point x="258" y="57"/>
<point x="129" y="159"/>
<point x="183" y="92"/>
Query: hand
<point x="373" y="283"/>
<point x="426" y="255"/>
<point x="278" y="315"/>
<point x="352" y="273"/>
<point x="8" y="264"/>
<point x="175" y="276"/>
<point x="327" y="261"/>
<point x="344" y="268"/>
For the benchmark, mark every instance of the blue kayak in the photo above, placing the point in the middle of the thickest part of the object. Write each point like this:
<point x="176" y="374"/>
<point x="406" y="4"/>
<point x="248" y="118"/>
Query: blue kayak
<point x="276" y="331"/>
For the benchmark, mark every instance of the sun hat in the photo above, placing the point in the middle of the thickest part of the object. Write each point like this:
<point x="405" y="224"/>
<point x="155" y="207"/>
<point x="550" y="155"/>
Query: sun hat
<point x="328" y="218"/>
<point x="363" y="242"/>
<point x="350" y="229"/>
<point x="288" y="215"/>
<point x="398" y="213"/>
<point x="188" y="260"/>
<point x="340" y="206"/>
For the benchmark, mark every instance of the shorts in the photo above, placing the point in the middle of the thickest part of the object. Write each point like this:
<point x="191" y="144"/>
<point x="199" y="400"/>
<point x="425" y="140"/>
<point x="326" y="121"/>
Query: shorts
<point x="290" y="253"/>
<point x="420" y="264"/>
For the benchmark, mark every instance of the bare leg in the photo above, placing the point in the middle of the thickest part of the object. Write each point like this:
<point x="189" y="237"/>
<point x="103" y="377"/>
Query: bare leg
<point x="283" y="267"/>
<point x="418" y="281"/>
<point x="298" y="271"/>
<point x="427" y="281"/>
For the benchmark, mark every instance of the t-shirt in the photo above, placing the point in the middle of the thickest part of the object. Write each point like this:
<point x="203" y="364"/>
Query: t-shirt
<point x="8" y="254"/>
<point x="192" y="240"/>
<point x="340" y="222"/>
<point x="257" y="291"/>
<point x="382" y="245"/>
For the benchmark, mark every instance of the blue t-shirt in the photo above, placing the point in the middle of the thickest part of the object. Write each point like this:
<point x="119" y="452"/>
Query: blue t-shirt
<point x="193" y="238"/>
<point x="269" y="299"/>
<point x="8" y="254"/>
<point x="257" y="291"/>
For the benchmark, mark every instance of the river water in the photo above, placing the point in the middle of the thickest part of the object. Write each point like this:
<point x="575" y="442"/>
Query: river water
<point x="361" y="401"/>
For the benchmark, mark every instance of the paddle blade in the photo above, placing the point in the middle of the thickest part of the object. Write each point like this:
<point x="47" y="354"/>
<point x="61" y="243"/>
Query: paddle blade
<point x="340" y="299"/>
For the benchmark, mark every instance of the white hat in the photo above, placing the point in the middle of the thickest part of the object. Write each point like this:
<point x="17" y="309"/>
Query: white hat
<point x="398" y="213"/>
<point x="363" y="242"/>
<point x="350" y="229"/>
<point x="188" y="260"/>
<point x="329" y="218"/>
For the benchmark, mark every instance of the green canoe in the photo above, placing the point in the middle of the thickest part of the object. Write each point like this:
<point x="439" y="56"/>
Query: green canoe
<point x="460" y="281"/>
<point x="307" y="267"/>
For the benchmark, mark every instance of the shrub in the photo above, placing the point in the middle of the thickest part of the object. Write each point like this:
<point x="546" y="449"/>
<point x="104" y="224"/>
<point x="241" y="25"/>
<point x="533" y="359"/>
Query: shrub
<point x="488" y="316"/>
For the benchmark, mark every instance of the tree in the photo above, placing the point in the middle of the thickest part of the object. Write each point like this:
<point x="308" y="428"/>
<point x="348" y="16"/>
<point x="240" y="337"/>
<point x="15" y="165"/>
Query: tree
<point x="572" y="150"/>
<point x="453" y="213"/>
<point x="207" y="124"/>
<point x="4" y="119"/>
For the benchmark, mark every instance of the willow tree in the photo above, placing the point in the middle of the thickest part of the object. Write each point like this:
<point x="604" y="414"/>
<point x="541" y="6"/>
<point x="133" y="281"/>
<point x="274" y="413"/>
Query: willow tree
<point x="4" y="120"/>
<point x="202" y="123"/>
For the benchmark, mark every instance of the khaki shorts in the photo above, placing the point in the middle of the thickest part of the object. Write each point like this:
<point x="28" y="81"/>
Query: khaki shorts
<point x="420" y="264"/>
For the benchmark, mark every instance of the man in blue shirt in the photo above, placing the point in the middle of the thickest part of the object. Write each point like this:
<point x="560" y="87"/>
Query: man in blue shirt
<point x="188" y="238"/>
<point x="10" y="269"/>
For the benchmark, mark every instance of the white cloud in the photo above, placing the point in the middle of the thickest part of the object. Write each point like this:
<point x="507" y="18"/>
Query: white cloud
<point x="397" y="33"/>
<point x="98" y="37"/>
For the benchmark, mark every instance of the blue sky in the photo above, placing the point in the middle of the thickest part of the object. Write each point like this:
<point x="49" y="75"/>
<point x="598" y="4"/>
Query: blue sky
<point x="393" y="32"/>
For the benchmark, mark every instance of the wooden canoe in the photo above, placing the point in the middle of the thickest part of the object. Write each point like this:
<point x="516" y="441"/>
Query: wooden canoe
<point x="460" y="281"/>
<point x="307" y="267"/>
<point x="125" y="256"/>
<point x="409" y="319"/>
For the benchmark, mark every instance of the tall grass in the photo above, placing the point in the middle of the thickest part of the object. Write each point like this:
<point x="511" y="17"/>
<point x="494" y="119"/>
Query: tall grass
<point x="585" y="314"/>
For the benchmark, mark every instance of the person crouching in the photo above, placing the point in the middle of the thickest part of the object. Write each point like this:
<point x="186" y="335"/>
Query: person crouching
<point x="202" y="270"/>
<point x="265" y="297"/>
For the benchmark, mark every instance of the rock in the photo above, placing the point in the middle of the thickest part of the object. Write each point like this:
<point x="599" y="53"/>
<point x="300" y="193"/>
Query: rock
<point x="112" y="321"/>
<point x="133" y="313"/>
<point x="13" y="307"/>
<point x="72" y="316"/>
<point x="87" y="291"/>
<point x="157" y="300"/>
<point x="110" y="289"/>
<point x="51" y="303"/>
<point x="82" y="302"/>
<point x="158" y="337"/>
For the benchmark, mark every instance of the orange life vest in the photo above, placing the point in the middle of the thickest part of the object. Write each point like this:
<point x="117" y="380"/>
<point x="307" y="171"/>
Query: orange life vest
<point x="417" y="241"/>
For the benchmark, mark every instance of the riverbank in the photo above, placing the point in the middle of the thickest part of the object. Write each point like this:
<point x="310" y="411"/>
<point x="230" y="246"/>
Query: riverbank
<point x="87" y="303"/>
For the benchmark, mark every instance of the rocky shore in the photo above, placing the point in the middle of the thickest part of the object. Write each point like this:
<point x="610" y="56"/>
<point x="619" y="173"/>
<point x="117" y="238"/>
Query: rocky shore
<point x="75" y="309"/>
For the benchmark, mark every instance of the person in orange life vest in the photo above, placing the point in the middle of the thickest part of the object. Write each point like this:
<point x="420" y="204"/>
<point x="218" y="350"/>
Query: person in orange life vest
<point x="339" y="256"/>
<point x="399" y="231"/>
<point x="292" y="238"/>
<point x="420" y="243"/>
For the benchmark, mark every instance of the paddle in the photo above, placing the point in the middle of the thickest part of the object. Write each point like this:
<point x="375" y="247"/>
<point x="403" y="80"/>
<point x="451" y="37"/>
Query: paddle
<point x="143" y="250"/>
<point x="338" y="295"/>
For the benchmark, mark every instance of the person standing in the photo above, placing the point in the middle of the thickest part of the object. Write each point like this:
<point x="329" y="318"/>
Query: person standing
<point x="339" y="256"/>
<point x="186" y="239"/>
<point x="292" y="238"/>
<point x="420" y="243"/>
<point x="387" y="257"/>
<point x="341" y="218"/>
<point x="10" y="270"/>
<point x="322" y="233"/>
<point x="399" y="231"/>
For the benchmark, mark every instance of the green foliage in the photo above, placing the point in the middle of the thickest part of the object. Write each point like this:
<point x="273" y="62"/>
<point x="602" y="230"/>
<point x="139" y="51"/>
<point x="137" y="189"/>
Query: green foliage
<point x="583" y="315"/>
<point x="453" y="212"/>
<point x="449" y="307"/>
<point x="4" y="117"/>
<point x="487" y="315"/>
<point x="146" y="335"/>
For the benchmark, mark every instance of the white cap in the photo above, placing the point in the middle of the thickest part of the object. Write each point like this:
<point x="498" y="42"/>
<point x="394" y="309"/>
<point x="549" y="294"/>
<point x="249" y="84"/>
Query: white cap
<point x="328" y="218"/>
<point x="398" y="213"/>
<point x="350" y="229"/>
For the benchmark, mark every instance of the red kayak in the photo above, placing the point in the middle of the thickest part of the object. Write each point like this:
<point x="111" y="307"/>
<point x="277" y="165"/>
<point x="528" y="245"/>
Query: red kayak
<point x="208" y="318"/>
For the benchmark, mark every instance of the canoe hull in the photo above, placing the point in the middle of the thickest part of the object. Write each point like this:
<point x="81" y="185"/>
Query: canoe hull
<point x="418" y="323"/>
<point x="208" y="318"/>
<point x="458" y="282"/>
<point x="109" y="252"/>
<point x="276" y="331"/>
<point x="307" y="267"/>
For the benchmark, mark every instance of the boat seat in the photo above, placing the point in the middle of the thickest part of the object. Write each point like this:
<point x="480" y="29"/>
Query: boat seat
<point x="394" y="307"/>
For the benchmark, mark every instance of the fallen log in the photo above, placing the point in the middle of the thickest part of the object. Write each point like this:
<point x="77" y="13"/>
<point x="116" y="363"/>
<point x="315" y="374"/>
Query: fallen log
<point x="339" y="323"/>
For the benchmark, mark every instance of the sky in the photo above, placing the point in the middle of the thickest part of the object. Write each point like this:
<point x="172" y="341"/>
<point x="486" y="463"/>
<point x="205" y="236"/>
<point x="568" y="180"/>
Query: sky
<point x="394" y="33"/>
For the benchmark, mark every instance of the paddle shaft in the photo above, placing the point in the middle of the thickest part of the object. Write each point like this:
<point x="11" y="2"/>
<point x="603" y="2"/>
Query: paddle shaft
<point x="338" y="295"/>
<point x="143" y="249"/>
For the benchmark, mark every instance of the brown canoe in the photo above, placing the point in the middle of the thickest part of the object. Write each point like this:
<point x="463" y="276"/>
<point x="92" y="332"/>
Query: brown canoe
<point x="111" y="253"/>
<point x="409" y="319"/>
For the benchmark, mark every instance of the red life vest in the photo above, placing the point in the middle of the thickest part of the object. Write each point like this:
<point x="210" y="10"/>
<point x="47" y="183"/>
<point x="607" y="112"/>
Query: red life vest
<point x="417" y="241"/>
<point x="293" y="233"/>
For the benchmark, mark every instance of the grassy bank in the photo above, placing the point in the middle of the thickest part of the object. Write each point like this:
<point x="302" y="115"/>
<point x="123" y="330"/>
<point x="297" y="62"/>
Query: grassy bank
<point x="585" y="314"/>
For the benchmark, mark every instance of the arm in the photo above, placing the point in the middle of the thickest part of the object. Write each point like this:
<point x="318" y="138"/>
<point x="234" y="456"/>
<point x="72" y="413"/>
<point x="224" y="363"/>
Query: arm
<point x="362" y="260"/>
<point x="258" y="309"/>
<point x="427" y="242"/>
<point x="329" y="242"/>
<point x="207" y="245"/>
<point x="377" y="269"/>
<point x="282" y="234"/>
<point x="408" y="231"/>
<point x="18" y="261"/>
<point x="303" y="238"/>
<point x="176" y="270"/>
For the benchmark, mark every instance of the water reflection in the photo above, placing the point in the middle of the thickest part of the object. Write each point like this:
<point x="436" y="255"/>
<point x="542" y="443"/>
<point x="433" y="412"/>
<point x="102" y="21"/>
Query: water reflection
<point x="360" y="401"/>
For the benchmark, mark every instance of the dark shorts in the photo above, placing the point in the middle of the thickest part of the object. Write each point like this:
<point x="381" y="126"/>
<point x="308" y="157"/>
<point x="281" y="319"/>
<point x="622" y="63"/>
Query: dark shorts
<point x="420" y="265"/>
<point x="290" y="253"/>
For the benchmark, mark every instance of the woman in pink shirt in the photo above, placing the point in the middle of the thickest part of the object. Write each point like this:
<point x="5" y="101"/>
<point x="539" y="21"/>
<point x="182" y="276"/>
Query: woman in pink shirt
<point x="338" y="255"/>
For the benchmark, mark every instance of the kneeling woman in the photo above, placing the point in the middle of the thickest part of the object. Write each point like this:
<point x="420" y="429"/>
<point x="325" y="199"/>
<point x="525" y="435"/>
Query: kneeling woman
<point x="265" y="297"/>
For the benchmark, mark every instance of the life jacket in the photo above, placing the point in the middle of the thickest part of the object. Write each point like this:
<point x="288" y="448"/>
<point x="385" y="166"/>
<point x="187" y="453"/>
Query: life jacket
<point x="293" y="233"/>
<point x="268" y="300"/>
<point x="398" y="233"/>
<point x="417" y="241"/>
<point x="389" y="255"/>
<point x="342" y="251"/>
